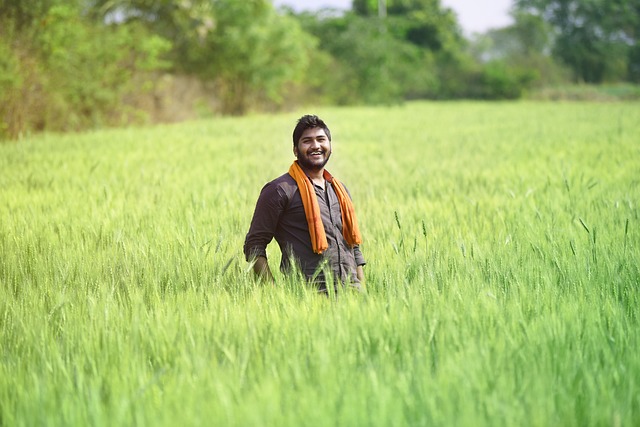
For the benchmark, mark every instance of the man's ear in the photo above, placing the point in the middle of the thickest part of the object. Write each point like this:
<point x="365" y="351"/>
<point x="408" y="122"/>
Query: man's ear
<point x="295" y="151"/>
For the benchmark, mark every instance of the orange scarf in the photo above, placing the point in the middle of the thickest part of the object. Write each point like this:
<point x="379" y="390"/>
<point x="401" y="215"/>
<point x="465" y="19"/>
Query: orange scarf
<point x="350" y="229"/>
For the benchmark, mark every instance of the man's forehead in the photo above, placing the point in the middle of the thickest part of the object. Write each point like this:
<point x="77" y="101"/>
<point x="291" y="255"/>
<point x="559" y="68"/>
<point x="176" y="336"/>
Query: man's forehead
<point x="313" y="132"/>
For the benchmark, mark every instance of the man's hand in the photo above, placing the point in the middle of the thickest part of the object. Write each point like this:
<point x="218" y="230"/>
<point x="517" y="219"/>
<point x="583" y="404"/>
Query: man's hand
<point x="262" y="270"/>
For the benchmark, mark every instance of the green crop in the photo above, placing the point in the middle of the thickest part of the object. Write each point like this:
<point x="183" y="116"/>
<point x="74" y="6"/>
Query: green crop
<point x="503" y="277"/>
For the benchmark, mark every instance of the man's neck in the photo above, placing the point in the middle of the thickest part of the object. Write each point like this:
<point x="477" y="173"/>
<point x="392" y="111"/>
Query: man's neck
<point x="316" y="176"/>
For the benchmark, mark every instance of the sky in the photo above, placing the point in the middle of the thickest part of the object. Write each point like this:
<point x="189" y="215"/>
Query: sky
<point x="473" y="15"/>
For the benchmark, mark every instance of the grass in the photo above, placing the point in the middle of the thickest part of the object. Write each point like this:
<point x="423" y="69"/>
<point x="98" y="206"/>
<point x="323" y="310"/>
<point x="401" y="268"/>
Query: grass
<point x="502" y="244"/>
<point x="585" y="92"/>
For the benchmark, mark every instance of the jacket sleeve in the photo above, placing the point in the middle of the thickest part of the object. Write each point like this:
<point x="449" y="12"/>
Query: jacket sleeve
<point x="269" y="208"/>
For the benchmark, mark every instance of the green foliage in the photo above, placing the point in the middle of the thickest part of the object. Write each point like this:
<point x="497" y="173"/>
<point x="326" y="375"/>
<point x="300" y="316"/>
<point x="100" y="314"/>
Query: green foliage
<point x="424" y="23"/>
<point x="10" y="79"/>
<point x="529" y="35"/>
<point x="9" y="69"/>
<point x="23" y="14"/>
<point x="82" y="76"/>
<point x="254" y="54"/>
<point x="75" y="75"/>
<point x="523" y="49"/>
<point x="502" y="242"/>
<point x="415" y="50"/>
<point x="366" y="7"/>
<point x="375" y="61"/>
<point x="500" y="81"/>
<point x="634" y="64"/>
<point x="596" y="39"/>
<point x="383" y="68"/>
<point x="187" y="24"/>
<point x="428" y="24"/>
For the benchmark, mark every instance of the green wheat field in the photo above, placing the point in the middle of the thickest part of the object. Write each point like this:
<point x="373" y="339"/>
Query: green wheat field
<point x="503" y="275"/>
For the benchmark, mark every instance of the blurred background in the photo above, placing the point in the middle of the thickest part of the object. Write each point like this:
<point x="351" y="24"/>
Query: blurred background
<point x="68" y="65"/>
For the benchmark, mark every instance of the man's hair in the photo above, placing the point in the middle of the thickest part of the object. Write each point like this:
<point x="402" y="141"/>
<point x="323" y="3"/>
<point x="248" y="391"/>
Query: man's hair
<point x="309" y="121"/>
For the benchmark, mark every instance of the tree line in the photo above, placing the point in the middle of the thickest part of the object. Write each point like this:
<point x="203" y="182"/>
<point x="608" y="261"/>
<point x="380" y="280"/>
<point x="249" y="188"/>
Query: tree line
<point x="78" y="64"/>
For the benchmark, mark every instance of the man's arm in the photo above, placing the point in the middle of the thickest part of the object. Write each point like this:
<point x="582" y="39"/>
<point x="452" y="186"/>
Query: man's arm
<point x="262" y="270"/>
<point x="263" y="225"/>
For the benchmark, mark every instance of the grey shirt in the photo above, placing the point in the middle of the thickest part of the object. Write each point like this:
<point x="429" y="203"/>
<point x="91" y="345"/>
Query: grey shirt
<point x="280" y="214"/>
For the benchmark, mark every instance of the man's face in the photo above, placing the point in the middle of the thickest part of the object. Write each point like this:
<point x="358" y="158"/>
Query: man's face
<point x="313" y="149"/>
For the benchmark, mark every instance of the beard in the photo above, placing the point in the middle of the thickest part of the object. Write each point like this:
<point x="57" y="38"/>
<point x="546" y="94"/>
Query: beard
<point x="312" y="165"/>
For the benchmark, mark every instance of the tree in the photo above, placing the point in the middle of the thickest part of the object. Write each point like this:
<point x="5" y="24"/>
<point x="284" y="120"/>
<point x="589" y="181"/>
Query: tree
<point x="185" y="23"/>
<point x="524" y="47"/>
<point x="248" y="50"/>
<point x="597" y="39"/>
<point x="61" y="71"/>
<point x="370" y="7"/>
<point x="369" y="63"/>
<point x="424" y="23"/>
<point x="254" y="54"/>
<point x="22" y="14"/>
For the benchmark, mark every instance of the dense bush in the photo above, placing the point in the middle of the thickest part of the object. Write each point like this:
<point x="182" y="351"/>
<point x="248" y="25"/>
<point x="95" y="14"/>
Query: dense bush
<point x="64" y="73"/>
<point x="10" y="80"/>
<point x="497" y="80"/>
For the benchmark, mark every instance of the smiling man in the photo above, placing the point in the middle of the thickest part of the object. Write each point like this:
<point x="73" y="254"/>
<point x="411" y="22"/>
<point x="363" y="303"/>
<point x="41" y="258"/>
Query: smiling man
<point x="311" y="216"/>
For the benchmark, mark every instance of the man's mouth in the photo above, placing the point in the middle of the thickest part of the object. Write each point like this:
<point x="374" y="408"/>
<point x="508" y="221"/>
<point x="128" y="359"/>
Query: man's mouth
<point x="316" y="153"/>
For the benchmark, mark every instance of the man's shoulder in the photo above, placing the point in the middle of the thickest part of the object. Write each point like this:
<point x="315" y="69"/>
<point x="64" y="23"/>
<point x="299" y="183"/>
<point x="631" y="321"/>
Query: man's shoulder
<point x="283" y="185"/>
<point x="283" y="180"/>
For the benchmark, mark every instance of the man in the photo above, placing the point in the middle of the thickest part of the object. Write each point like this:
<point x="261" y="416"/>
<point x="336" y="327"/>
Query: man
<point x="311" y="216"/>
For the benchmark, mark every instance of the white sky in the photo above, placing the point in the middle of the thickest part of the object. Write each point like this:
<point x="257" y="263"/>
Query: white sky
<point x="473" y="15"/>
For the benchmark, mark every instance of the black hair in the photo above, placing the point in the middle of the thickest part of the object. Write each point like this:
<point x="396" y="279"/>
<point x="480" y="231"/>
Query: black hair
<point x="309" y="121"/>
